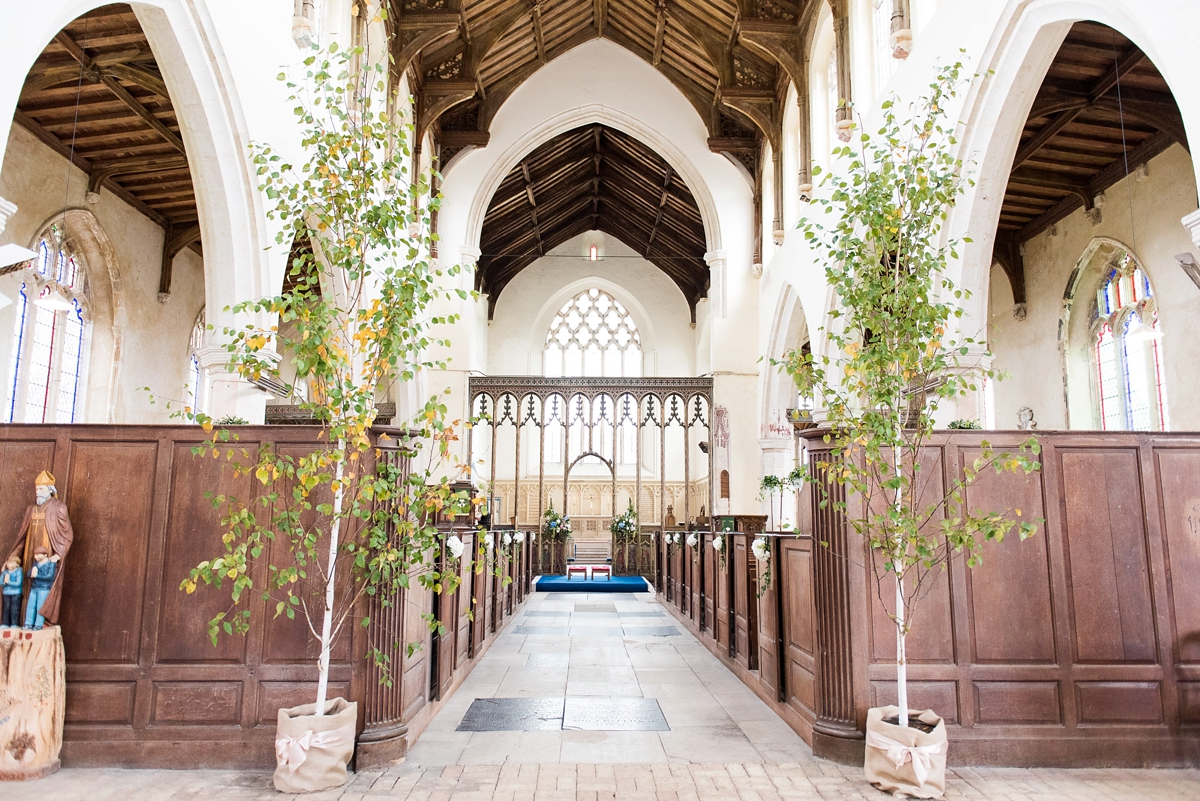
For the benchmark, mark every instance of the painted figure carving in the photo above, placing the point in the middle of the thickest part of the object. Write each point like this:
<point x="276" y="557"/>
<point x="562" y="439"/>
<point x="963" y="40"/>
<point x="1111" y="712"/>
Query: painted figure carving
<point x="46" y="526"/>
<point x="41" y="581"/>
<point x="12" y="580"/>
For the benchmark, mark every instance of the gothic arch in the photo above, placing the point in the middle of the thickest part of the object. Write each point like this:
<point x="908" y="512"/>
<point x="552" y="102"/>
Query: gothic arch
<point x="1025" y="41"/>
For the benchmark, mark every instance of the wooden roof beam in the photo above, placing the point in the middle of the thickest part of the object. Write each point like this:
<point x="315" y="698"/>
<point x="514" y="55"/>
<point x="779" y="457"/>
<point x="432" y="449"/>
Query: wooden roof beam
<point x="600" y="15"/>
<point x="539" y="37"/>
<point x="537" y="231"/>
<point x="122" y="94"/>
<point x="660" y="31"/>
<point x="662" y="207"/>
<point x="1097" y="90"/>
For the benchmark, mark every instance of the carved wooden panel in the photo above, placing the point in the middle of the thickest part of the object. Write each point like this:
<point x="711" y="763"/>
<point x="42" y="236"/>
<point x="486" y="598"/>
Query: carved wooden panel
<point x="1177" y="475"/>
<point x="1010" y="703"/>
<point x="112" y="537"/>
<point x="1013" y="583"/>
<point x="1107" y="569"/>
<point x="192" y="523"/>
<point x="799" y="628"/>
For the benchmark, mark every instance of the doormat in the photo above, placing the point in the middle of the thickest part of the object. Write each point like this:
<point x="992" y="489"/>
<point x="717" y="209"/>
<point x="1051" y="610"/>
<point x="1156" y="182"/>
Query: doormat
<point x="614" y="584"/>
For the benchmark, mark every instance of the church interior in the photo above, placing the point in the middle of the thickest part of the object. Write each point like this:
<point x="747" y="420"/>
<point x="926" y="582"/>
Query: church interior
<point x="622" y="188"/>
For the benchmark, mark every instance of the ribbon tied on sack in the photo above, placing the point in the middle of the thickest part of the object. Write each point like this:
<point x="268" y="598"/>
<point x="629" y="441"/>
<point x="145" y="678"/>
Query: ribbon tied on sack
<point x="899" y="753"/>
<point x="290" y="752"/>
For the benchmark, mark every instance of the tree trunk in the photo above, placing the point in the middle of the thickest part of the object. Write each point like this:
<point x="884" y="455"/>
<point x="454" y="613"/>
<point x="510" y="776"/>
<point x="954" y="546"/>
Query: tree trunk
<point x="327" y="619"/>
<point x="901" y="657"/>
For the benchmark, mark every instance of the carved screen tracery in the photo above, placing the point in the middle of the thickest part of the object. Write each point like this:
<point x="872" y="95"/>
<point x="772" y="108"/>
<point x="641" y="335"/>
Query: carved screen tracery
<point x="592" y="447"/>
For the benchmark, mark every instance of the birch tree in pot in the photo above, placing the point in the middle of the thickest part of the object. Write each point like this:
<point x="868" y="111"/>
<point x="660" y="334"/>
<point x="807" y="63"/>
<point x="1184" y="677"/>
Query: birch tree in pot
<point x="330" y="533"/>
<point x="894" y="336"/>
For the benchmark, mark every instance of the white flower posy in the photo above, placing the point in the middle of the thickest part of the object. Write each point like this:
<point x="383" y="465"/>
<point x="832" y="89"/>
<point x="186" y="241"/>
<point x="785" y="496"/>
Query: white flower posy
<point x="718" y="543"/>
<point x="488" y="541"/>
<point x="508" y="538"/>
<point x="761" y="549"/>
<point x="692" y="540"/>
<point x="455" y="545"/>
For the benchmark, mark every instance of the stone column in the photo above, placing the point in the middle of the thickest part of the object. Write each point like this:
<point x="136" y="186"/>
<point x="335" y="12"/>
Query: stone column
<point x="227" y="393"/>
<point x="7" y="210"/>
<point x="778" y="457"/>
<point x="715" y="259"/>
<point x="33" y="696"/>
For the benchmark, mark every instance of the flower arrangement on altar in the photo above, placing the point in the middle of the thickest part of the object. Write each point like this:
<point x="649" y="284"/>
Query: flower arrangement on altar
<point x="556" y="527"/>
<point x="624" y="526"/>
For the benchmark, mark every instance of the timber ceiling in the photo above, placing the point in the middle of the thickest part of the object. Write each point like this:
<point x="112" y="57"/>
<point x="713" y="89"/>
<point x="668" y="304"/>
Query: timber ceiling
<point x="593" y="178"/>
<point x="1084" y="132"/>
<point x="732" y="59"/>
<point x="97" y="90"/>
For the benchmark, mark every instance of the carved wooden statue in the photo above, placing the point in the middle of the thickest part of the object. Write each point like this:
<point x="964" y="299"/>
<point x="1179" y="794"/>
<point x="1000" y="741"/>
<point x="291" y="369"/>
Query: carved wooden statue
<point x="46" y="525"/>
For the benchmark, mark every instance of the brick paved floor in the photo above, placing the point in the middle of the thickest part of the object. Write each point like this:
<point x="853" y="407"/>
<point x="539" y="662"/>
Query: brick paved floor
<point x="723" y="742"/>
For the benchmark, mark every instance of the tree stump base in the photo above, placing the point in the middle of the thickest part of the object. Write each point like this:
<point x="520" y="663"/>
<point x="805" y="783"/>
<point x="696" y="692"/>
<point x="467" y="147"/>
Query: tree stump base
<point x="32" y="702"/>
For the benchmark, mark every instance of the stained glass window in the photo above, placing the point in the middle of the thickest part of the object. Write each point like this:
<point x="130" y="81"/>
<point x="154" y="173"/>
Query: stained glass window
<point x="195" y="381"/>
<point x="1128" y="352"/>
<point x="49" y="337"/>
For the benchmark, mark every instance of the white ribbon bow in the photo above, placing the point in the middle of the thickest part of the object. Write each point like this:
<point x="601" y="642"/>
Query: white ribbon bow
<point x="899" y="753"/>
<point x="290" y="752"/>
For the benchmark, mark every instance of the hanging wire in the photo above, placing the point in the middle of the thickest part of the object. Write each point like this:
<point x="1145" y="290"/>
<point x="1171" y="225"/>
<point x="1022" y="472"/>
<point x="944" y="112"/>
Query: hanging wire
<point x="1124" y="144"/>
<point x="60" y="237"/>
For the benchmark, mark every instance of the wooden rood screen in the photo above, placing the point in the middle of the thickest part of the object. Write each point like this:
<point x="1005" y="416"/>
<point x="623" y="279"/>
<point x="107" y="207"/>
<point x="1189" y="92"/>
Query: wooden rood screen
<point x="1078" y="647"/>
<point x="145" y="685"/>
<point x="591" y="447"/>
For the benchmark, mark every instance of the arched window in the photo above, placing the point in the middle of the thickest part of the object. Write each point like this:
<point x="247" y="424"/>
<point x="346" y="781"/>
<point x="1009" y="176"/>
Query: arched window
<point x="49" y="337"/>
<point x="195" y="374"/>
<point x="885" y="63"/>
<point x="1127" y="351"/>
<point x="592" y="335"/>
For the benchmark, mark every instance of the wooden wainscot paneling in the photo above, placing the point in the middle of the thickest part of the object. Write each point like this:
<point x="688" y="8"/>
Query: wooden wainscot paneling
<point x="1119" y="702"/>
<point x="1010" y="703"/>
<point x="1178" y="475"/>
<point x="111" y="520"/>
<point x="1107" y="568"/>
<point x="197" y="703"/>
<point x="1013" y="583"/>
<point x="145" y="685"/>
<point x="940" y="696"/>
<point x="101" y="702"/>
<point x="798" y="624"/>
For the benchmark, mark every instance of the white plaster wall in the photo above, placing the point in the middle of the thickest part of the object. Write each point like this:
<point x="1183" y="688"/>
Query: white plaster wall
<point x="153" y="336"/>
<point x="517" y="333"/>
<point x="1029" y="349"/>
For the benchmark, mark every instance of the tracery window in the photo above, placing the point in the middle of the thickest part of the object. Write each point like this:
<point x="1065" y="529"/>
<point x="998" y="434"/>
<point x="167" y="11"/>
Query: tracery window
<point x="49" y="337"/>
<point x="593" y="335"/>
<point x="195" y="375"/>
<point x="1127" y="352"/>
<point x="885" y="63"/>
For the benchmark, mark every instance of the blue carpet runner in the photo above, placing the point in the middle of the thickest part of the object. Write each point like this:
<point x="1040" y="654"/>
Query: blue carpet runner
<point x="614" y="584"/>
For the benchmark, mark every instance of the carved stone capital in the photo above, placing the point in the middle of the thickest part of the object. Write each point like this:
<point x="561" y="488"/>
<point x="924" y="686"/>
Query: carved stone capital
<point x="1191" y="224"/>
<point x="7" y="209"/>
